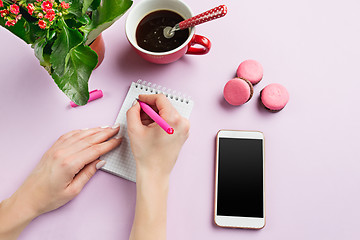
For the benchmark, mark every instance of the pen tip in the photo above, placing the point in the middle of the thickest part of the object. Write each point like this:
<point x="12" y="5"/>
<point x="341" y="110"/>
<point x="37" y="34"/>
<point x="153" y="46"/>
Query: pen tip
<point x="170" y="131"/>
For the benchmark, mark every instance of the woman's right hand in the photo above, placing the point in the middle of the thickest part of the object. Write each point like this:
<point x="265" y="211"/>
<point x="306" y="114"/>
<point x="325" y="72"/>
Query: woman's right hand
<point x="156" y="151"/>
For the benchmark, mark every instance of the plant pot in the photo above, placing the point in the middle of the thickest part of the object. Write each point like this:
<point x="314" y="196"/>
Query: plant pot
<point x="98" y="46"/>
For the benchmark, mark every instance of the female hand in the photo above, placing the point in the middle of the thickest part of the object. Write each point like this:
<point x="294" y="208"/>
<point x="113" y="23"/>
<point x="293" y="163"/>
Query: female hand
<point x="155" y="150"/>
<point x="66" y="167"/>
<point x="60" y="175"/>
<point x="155" y="153"/>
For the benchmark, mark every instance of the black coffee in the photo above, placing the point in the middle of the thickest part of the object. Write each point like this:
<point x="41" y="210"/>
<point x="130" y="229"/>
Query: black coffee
<point x="150" y="36"/>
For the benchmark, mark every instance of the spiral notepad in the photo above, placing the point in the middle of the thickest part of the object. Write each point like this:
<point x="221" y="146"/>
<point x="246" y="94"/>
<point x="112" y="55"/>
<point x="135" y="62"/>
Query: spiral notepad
<point x="120" y="161"/>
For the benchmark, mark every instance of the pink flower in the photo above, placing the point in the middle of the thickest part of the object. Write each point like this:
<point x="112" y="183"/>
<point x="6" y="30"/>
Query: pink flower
<point x="1" y="3"/>
<point x="14" y="9"/>
<point x="18" y="17"/>
<point x="40" y="15"/>
<point x="46" y="6"/>
<point x="10" y="23"/>
<point x="64" y="5"/>
<point x="38" y="0"/>
<point x="42" y="24"/>
<point x="4" y="12"/>
<point x="30" y="7"/>
<point x="50" y="15"/>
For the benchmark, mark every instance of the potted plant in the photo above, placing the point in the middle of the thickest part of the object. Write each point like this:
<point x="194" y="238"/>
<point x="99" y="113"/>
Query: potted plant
<point x="60" y="32"/>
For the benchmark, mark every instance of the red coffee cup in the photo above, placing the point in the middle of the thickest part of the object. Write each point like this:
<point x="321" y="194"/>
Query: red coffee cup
<point x="195" y="44"/>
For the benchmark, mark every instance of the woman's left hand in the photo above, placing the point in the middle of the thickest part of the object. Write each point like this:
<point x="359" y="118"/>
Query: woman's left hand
<point x="60" y="175"/>
<point x="66" y="167"/>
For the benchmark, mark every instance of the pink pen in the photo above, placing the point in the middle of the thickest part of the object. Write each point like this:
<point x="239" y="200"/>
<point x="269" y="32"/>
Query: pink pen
<point x="93" y="95"/>
<point x="154" y="116"/>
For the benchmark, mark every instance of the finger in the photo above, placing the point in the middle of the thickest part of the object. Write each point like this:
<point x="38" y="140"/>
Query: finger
<point x="161" y="102"/>
<point x="147" y="122"/>
<point x="94" y="152"/>
<point x="82" y="177"/>
<point x="133" y="118"/>
<point x="80" y="134"/>
<point x="144" y="116"/>
<point x="158" y="100"/>
<point x="101" y="136"/>
<point x="88" y="141"/>
<point x="65" y="137"/>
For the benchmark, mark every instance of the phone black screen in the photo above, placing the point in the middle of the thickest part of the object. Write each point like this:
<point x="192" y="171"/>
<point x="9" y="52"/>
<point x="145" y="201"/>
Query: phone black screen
<point x="240" y="178"/>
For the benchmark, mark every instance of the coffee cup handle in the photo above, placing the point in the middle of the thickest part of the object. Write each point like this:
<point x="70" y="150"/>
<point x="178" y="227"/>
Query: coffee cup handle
<point x="200" y="40"/>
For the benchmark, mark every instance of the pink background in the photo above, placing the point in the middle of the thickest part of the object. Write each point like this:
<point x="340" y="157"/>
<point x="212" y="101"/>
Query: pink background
<point x="312" y="157"/>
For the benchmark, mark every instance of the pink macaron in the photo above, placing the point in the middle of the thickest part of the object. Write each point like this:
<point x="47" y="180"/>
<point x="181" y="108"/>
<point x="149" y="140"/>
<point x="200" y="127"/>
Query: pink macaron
<point x="250" y="70"/>
<point x="238" y="91"/>
<point x="274" y="97"/>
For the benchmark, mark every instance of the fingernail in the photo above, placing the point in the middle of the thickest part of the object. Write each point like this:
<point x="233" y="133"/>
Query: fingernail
<point x="105" y="127"/>
<point x="116" y="125"/>
<point x="100" y="164"/>
<point x="134" y="102"/>
<point x="118" y="137"/>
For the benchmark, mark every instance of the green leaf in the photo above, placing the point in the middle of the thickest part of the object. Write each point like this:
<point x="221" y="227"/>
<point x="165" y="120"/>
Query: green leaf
<point x="86" y="5"/>
<point x="79" y="7"/>
<point x="74" y="83"/>
<point x="104" y="16"/>
<point x="74" y="23"/>
<point x="95" y="4"/>
<point x="84" y="19"/>
<point x="22" y="29"/>
<point x="67" y="39"/>
<point x="76" y="7"/>
<point x="43" y="57"/>
<point x="50" y="34"/>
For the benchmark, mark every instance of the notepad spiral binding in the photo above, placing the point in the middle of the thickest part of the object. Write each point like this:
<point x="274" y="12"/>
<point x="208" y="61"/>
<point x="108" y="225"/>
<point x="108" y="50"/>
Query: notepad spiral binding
<point x="157" y="89"/>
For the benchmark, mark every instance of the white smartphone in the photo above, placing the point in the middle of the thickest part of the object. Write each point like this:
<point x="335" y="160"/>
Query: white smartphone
<point x="239" y="179"/>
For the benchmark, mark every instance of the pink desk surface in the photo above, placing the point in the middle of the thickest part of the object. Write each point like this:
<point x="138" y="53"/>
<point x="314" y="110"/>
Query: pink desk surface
<point x="312" y="146"/>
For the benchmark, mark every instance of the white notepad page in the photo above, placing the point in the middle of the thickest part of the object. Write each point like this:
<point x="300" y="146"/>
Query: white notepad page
<point x="120" y="161"/>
